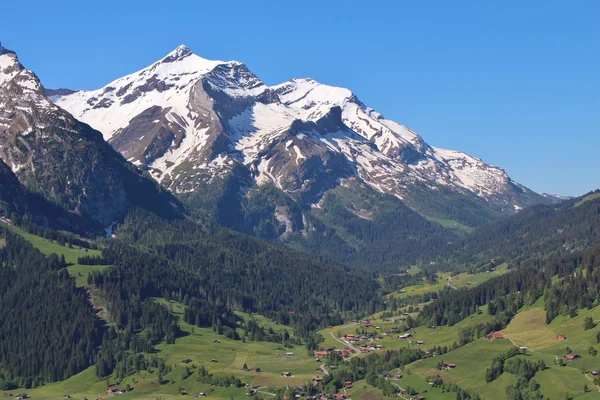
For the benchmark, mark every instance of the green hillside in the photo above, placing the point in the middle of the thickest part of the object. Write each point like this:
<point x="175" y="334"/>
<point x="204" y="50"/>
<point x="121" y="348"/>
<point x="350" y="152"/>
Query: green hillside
<point x="47" y="247"/>
<point x="534" y="233"/>
<point x="198" y="344"/>
<point x="230" y="303"/>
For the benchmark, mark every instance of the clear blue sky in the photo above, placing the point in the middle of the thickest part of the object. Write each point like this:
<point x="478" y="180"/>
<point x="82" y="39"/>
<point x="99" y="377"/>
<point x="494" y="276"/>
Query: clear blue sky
<point x="516" y="83"/>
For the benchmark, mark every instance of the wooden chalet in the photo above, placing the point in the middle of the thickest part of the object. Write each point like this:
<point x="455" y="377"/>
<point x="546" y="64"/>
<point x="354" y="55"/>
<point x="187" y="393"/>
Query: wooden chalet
<point x="448" y="366"/>
<point x="494" y="336"/>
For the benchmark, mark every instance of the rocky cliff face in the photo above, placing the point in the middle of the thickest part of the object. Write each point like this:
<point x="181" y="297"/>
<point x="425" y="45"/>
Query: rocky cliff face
<point x="196" y="124"/>
<point x="66" y="161"/>
<point x="11" y="193"/>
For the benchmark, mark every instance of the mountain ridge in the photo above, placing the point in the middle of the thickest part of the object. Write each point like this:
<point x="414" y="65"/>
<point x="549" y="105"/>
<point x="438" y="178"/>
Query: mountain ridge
<point x="64" y="160"/>
<point x="250" y="116"/>
<point x="215" y="135"/>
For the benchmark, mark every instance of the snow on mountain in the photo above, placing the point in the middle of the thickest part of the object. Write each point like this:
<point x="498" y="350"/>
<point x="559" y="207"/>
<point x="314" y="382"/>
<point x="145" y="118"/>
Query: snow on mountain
<point x="14" y="77"/>
<point x="164" y="83"/>
<point x="67" y="162"/>
<point x="189" y="120"/>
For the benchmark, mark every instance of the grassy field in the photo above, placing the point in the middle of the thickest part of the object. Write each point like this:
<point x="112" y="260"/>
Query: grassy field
<point x="591" y="197"/>
<point x="78" y="271"/>
<point x="451" y="224"/>
<point x="145" y="386"/>
<point x="440" y="336"/>
<point x="528" y="328"/>
<point x="265" y="322"/>
<point x="232" y="355"/>
<point x="199" y="345"/>
<point x="471" y="361"/>
<point x="459" y="281"/>
<point x="361" y="390"/>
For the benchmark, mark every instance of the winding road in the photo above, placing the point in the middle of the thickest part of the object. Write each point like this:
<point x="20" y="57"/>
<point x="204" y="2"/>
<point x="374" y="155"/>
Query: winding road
<point x="347" y="344"/>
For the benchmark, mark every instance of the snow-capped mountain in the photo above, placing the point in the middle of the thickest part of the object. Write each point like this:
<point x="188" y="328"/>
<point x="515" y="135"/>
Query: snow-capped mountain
<point x="63" y="160"/>
<point x="189" y="120"/>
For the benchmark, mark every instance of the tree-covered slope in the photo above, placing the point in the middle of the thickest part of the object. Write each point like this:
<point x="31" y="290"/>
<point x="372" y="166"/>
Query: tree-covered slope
<point x="248" y="274"/>
<point x="535" y="232"/>
<point x="352" y="224"/>
<point x="48" y="330"/>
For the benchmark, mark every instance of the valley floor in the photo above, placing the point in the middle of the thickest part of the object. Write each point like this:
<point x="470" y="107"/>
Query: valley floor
<point x="225" y="357"/>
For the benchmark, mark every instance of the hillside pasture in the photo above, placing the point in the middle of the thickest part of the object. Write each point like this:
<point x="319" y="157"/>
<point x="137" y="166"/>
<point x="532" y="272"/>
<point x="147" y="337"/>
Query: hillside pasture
<point x="78" y="271"/>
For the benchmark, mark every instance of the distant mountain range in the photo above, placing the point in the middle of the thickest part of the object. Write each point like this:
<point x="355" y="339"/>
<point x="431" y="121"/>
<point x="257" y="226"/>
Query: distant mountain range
<point x="301" y="162"/>
<point x="188" y="120"/>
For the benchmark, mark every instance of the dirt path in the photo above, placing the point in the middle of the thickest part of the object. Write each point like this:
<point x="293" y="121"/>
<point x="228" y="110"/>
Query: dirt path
<point x="449" y="283"/>
<point x="401" y="389"/>
<point x="555" y="360"/>
<point x="591" y="380"/>
<point x="269" y="393"/>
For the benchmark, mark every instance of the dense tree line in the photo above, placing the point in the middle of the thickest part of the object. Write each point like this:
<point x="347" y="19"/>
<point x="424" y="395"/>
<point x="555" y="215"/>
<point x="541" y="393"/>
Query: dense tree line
<point x="48" y="330"/>
<point x="470" y="333"/>
<point x="247" y="274"/>
<point x="526" y="285"/>
<point x="255" y="332"/>
<point x="525" y="388"/>
<point x="27" y="207"/>
<point x="497" y="367"/>
<point x="397" y="281"/>
<point x="534" y="233"/>
<point x="395" y="235"/>
<point x="579" y="286"/>
<point x="373" y="369"/>
<point x="130" y="289"/>
<point x="447" y="204"/>
<point x="91" y="260"/>
<point x="62" y="238"/>
<point x="213" y="273"/>
<point x="205" y="377"/>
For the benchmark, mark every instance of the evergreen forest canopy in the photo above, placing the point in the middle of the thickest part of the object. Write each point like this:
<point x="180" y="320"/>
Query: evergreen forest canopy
<point x="534" y="233"/>
<point x="48" y="331"/>
<point x="213" y="272"/>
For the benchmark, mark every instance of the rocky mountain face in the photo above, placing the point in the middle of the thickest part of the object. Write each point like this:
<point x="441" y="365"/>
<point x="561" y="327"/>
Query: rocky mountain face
<point x="213" y="133"/>
<point x="64" y="161"/>
<point x="11" y="192"/>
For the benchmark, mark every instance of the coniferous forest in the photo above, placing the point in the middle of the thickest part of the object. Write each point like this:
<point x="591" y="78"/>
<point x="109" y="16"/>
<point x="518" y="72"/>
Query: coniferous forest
<point x="48" y="330"/>
<point x="52" y="332"/>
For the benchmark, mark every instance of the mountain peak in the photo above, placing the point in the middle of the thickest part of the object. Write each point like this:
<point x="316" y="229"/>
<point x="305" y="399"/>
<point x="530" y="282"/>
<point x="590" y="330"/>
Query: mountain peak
<point x="179" y="53"/>
<point x="4" y="50"/>
<point x="11" y="68"/>
<point x="188" y="119"/>
<point x="182" y="47"/>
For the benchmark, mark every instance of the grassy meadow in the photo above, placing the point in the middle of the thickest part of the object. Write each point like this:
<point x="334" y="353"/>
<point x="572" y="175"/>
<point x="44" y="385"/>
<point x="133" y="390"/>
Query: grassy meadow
<point x="459" y="281"/>
<point x="528" y="328"/>
<point x="198" y="344"/>
<point x="47" y="247"/>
